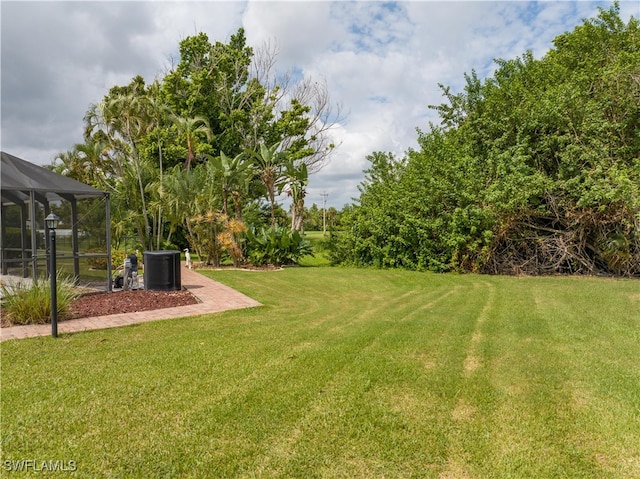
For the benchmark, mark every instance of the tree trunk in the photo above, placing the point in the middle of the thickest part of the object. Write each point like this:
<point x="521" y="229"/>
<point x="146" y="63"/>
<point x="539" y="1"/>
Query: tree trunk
<point x="297" y="214"/>
<point x="159" y="225"/>
<point x="237" y="204"/>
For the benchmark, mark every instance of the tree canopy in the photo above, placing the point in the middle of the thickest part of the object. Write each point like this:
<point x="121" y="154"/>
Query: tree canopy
<point x="534" y="170"/>
<point x="218" y="132"/>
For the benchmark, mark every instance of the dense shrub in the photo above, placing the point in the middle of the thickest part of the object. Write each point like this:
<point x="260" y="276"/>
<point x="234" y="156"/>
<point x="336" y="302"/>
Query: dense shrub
<point x="535" y="170"/>
<point x="277" y="246"/>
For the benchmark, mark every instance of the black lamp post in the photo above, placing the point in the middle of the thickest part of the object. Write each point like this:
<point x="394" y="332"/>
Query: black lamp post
<point x="52" y="222"/>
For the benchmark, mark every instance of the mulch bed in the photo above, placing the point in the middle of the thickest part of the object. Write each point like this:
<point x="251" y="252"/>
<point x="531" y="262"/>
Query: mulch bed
<point x="102" y="304"/>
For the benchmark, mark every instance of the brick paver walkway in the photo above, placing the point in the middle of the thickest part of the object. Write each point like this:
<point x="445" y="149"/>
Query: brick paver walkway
<point x="215" y="297"/>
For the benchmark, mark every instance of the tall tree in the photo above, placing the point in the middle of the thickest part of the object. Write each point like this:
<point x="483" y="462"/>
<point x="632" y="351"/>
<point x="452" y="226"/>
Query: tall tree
<point x="268" y="164"/>
<point x="212" y="81"/>
<point x="295" y="185"/>
<point x="247" y="103"/>
<point x="234" y="175"/>
<point x="219" y="99"/>
<point x="191" y="129"/>
<point x="121" y="121"/>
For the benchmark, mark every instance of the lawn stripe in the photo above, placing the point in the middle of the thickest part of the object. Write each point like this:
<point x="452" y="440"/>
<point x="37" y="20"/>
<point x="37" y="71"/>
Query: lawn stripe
<point x="472" y="361"/>
<point x="346" y="373"/>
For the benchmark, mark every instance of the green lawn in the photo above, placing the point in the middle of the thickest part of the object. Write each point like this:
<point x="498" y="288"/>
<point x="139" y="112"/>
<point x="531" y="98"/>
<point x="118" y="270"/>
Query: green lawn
<point x="345" y="373"/>
<point x="320" y="250"/>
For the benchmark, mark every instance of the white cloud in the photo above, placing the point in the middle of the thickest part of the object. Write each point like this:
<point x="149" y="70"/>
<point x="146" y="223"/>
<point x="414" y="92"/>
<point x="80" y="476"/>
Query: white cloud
<point x="301" y="30"/>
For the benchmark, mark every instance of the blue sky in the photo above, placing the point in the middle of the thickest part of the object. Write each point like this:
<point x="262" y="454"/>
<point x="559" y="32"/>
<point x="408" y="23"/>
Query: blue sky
<point x="382" y="61"/>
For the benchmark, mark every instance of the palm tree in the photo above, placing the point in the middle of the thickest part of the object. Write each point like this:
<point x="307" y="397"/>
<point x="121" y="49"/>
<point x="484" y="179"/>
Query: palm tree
<point x="157" y="111"/>
<point x="192" y="128"/>
<point x="297" y="179"/>
<point x="268" y="165"/>
<point x="234" y="176"/>
<point x="121" y="122"/>
<point x="132" y="125"/>
<point x="181" y="191"/>
<point x="94" y="162"/>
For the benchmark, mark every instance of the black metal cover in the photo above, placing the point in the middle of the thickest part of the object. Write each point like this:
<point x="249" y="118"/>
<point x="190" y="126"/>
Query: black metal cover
<point x="162" y="270"/>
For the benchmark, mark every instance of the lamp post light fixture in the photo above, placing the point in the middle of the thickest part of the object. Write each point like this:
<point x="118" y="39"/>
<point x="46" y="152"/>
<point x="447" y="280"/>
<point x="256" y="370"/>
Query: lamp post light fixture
<point x="52" y="222"/>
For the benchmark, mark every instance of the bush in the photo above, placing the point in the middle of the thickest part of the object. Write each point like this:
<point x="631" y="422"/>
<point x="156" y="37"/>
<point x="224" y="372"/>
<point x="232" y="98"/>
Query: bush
<point x="100" y="263"/>
<point x="30" y="303"/>
<point x="276" y="246"/>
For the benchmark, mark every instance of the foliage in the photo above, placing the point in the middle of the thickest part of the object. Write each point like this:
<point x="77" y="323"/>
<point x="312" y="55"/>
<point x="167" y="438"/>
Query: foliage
<point x="212" y="81"/>
<point x="317" y="219"/>
<point x="535" y="170"/>
<point x="204" y="236"/>
<point x="219" y="99"/>
<point x="117" y="259"/>
<point x="234" y="175"/>
<point x="191" y="129"/>
<point x="295" y="185"/>
<point x="30" y="302"/>
<point x="276" y="246"/>
<point x="230" y="239"/>
<point x="267" y="162"/>
<point x="114" y="158"/>
<point x="13" y="237"/>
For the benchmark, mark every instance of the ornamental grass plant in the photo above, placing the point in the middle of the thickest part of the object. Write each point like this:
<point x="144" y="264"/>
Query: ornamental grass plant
<point x="29" y="302"/>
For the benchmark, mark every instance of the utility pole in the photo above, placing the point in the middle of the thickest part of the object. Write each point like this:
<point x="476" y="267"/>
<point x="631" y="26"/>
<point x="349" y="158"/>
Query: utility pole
<point x="324" y="212"/>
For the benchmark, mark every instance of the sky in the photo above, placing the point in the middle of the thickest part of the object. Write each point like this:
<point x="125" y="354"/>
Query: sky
<point x="382" y="62"/>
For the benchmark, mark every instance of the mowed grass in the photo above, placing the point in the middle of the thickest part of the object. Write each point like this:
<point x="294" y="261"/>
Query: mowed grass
<point x="320" y="256"/>
<point x="345" y="373"/>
